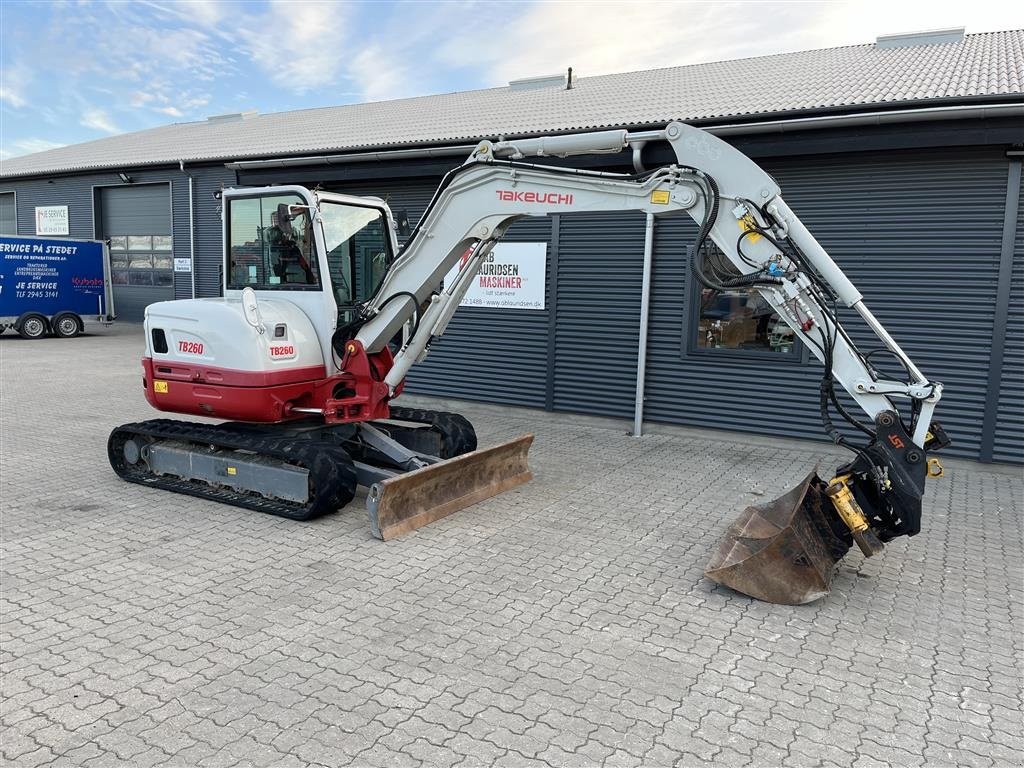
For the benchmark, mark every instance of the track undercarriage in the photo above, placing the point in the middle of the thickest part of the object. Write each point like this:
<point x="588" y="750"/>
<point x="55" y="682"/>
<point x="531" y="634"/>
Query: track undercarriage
<point x="305" y="469"/>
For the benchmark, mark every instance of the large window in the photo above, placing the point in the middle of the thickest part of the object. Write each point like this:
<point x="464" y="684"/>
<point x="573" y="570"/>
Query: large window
<point x="271" y="245"/>
<point x="741" y="319"/>
<point x="358" y="255"/>
<point x="737" y="320"/>
<point x="141" y="260"/>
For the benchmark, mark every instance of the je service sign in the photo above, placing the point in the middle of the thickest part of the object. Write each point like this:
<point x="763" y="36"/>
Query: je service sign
<point x="512" y="276"/>
<point x="51" y="220"/>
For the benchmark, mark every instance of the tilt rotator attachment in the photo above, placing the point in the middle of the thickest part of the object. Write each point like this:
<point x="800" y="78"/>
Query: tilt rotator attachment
<point x="785" y="551"/>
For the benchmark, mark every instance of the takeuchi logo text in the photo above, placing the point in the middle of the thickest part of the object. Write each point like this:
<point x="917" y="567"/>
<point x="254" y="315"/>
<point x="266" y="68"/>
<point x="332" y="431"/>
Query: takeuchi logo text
<point x="545" y="198"/>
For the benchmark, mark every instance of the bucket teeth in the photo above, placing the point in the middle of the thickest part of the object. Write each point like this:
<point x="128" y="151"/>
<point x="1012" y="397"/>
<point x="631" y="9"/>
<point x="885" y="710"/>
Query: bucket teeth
<point x="783" y="551"/>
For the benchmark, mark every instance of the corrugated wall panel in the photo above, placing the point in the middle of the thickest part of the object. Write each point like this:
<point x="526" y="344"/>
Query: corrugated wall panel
<point x="1009" y="437"/>
<point x="8" y="214"/>
<point x="497" y="355"/>
<point x="597" y="326"/>
<point x="208" y="226"/>
<point x="73" y="191"/>
<point x="917" y="232"/>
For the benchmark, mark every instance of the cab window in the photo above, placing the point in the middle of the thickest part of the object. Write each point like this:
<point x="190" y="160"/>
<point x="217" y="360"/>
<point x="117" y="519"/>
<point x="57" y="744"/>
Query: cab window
<point x="270" y="244"/>
<point x="358" y="251"/>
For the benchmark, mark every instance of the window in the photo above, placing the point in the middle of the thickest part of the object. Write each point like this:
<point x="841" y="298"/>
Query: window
<point x="737" y="319"/>
<point x="358" y="253"/>
<point x="271" y="244"/>
<point x="741" y="319"/>
<point x="141" y="260"/>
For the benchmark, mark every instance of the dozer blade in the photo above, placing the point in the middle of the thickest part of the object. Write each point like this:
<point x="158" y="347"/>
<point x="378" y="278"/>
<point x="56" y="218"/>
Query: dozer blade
<point x="784" y="551"/>
<point x="410" y="501"/>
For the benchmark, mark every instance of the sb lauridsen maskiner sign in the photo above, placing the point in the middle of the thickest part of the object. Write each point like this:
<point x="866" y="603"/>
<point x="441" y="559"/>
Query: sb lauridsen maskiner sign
<point x="512" y="276"/>
<point x="52" y="220"/>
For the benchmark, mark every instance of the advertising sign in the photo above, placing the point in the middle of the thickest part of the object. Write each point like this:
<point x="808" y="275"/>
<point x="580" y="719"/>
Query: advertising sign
<point x="50" y="276"/>
<point x="52" y="220"/>
<point x="182" y="265"/>
<point x="512" y="276"/>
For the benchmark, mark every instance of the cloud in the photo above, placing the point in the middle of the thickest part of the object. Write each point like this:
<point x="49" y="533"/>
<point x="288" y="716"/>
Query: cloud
<point x="98" y="120"/>
<point x="601" y="37"/>
<point x="141" y="98"/>
<point x="27" y="147"/>
<point x="12" y="97"/>
<point x="299" y="45"/>
<point x="159" y="99"/>
<point x="379" y="75"/>
<point x="14" y="82"/>
<point x="206" y="13"/>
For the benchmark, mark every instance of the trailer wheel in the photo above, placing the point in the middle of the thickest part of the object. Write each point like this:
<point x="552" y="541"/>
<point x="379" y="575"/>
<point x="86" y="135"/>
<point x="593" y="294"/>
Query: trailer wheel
<point x="2" y="327"/>
<point x="32" y="327"/>
<point x="67" y="325"/>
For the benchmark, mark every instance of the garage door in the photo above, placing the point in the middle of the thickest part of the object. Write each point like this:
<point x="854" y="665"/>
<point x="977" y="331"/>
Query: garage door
<point x="137" y="222"/>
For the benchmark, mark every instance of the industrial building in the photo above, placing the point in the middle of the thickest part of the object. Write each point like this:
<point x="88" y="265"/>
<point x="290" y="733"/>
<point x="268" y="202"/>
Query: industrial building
<point x="902" y="156"/>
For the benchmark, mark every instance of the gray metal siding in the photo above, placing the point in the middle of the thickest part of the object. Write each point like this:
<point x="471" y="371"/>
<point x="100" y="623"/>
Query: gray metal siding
<point x="917" y="232"/>
<point x="497" y="355"/>
<point x="8" y="214"/>
<point x="1009" y="432"/>
<point x="209" y="227"/>
<point x="597" y="326"/>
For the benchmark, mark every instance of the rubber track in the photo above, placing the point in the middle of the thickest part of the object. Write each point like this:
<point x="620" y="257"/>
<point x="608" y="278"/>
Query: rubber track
<point x="458" y="435"/>
<point x="332" y="474"/>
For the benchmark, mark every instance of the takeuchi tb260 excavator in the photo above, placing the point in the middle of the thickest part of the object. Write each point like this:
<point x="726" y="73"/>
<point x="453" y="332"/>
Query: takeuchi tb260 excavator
<point x="323" y="315"/>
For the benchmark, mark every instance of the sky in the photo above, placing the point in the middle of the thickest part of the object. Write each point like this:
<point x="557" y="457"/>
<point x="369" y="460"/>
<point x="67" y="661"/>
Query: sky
<point x="76" y="71"/>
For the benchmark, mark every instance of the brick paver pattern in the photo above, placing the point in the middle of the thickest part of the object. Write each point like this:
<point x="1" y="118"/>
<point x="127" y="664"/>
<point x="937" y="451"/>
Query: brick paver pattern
<point x="565" y="623"/>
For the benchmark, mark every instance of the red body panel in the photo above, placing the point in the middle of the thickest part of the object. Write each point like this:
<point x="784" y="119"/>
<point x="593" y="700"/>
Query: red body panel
<point x="358" y="393"/>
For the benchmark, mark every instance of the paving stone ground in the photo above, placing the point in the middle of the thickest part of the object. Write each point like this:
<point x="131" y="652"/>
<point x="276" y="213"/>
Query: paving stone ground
<point x="565" y="623"/>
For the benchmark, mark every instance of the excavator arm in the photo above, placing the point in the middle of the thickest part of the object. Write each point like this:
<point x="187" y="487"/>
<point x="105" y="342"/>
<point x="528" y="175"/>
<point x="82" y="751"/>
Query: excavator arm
<point x="739" y="208"/>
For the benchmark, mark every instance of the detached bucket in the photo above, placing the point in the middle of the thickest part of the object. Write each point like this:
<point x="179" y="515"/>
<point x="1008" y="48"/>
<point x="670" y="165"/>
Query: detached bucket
<point x="784" y="551"/>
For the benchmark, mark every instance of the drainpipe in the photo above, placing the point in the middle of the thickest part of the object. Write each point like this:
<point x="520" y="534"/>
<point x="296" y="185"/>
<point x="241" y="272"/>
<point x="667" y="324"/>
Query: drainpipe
<point x="191" y="227"/>
<point x="645" y="308"/>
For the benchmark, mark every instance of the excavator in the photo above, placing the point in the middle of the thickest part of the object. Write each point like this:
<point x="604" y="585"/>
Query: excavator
<point x="323" y="315"/>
